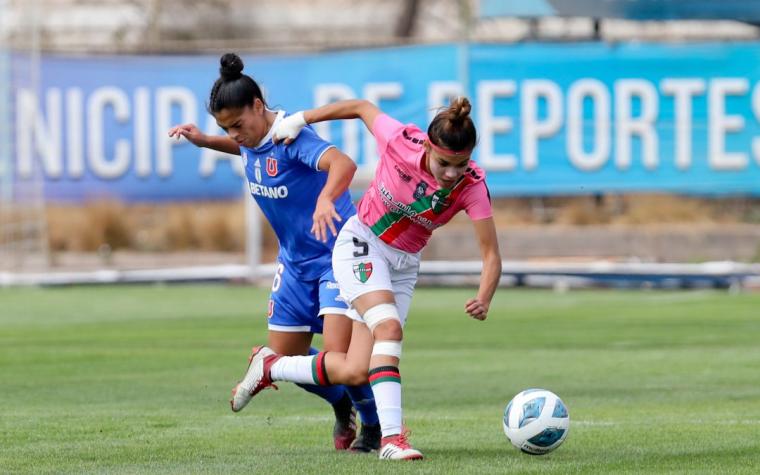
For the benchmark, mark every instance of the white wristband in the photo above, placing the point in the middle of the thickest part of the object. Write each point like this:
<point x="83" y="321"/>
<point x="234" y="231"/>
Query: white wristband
<point x="290" y="126"/>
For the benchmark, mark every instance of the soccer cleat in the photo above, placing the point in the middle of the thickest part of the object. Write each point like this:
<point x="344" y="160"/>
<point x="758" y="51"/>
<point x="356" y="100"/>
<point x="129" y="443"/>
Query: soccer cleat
<point x="368" y="439"/>
<point x="255" y="379"/>
<point x="344" y="431"/>
<point x="396" y="447"/>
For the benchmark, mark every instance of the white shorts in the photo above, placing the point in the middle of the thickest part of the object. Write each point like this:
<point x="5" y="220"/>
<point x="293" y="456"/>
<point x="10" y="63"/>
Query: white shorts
<point x="363" y="263"/>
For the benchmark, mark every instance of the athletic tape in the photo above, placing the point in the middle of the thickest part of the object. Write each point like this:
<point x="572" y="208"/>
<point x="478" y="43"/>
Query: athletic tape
<point x="387" y="348"/>
<point x="385" y="311"/>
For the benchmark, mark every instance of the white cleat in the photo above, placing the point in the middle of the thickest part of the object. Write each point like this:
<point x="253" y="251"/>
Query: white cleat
<point x="396" y="447"/>
<point x="255" y="379"/>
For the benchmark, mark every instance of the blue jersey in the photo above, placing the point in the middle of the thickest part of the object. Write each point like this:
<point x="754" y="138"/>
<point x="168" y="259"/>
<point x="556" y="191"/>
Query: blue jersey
<point x="285" y="181"/>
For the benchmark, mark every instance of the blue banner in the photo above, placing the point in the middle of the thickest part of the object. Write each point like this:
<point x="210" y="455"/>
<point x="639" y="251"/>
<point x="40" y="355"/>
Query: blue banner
<point x="552" y="118"/>
<point x="739" y="10"/>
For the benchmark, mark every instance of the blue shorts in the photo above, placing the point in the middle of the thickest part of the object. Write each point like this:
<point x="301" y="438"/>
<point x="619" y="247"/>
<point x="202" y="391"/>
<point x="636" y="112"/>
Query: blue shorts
<point x="297" y="306"/>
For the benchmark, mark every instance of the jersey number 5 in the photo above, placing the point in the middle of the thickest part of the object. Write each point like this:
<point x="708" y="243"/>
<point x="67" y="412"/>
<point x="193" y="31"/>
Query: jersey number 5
<point x="362" y="246"/>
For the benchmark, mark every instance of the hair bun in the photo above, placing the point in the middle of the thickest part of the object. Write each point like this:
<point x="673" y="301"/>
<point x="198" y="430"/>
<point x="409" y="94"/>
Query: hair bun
<point x="459" y="110"/>
<point x="231" y="67"/>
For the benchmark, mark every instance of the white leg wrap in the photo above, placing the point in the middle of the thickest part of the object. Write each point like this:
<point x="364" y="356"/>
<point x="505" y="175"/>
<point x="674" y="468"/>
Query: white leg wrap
<point x="385" y="311"/>
<point x="387" y="348"/>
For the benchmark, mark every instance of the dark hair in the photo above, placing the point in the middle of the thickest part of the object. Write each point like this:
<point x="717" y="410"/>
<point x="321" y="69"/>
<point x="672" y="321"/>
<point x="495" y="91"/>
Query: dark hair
<point x="453" y="128"/>
<point x="233" y="89"/>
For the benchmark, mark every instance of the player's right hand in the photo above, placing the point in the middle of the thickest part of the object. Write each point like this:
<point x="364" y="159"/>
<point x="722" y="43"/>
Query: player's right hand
<point x="324" y="219"/>
<point x="289" y="128"/>
<point x="192" y="133"/>
<point x="476" y="308"/>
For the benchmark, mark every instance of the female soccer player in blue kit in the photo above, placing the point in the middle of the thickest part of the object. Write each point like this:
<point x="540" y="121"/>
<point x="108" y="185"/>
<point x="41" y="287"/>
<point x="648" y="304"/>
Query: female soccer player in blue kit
<point x="302" y="189"/>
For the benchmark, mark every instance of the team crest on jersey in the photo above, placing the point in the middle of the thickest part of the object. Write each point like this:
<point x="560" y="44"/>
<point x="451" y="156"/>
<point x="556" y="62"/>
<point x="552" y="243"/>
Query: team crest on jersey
<point x="270" y="311"/>
<point x="257" y="170"/>
<point x="438" y="202"/>
<point x="419" y="192"/>
<point x="362" y="271"/>
<point x="271" y="166"/>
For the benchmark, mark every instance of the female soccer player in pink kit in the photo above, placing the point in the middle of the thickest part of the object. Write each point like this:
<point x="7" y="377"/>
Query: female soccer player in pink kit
<point x="422" y="181"/>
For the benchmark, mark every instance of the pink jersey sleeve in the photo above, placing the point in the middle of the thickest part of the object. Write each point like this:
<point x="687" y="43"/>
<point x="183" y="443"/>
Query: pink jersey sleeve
<point x="385" y="129"/>
<point x="477" y="202"/>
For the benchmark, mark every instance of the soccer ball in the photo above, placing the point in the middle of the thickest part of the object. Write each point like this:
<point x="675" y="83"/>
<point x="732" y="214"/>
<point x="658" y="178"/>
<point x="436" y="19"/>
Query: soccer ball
<point x="536" y="421"/>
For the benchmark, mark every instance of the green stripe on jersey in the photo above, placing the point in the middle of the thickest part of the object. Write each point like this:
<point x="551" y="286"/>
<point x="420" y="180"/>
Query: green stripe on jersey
<point x="420" y="206"/>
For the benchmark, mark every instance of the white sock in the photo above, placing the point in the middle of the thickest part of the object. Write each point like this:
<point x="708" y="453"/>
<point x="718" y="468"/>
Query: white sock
<point x="388" y="402"/>
<point x="296" y="369"/>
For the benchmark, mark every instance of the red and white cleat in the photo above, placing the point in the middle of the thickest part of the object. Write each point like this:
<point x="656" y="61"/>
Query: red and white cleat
<point x="256" y="377"/>
<point x="396" y="447"/>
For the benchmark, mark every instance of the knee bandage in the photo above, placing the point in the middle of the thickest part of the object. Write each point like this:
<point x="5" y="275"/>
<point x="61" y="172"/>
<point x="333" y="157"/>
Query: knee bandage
<point x="387" y="348"/>
<point x="385" y="311"/>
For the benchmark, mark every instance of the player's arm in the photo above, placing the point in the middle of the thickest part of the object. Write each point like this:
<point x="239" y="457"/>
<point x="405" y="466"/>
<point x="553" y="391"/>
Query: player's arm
<point x="485" y="230"/>
<point x="340" y="171"/>
<point x="349" y="109"/>
<point x="291" y="126"/>
<point x="199" y="139"/>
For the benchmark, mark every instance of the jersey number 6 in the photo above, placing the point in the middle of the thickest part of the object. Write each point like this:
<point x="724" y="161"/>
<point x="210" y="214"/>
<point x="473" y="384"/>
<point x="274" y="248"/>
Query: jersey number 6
<point x="278" y="277"/>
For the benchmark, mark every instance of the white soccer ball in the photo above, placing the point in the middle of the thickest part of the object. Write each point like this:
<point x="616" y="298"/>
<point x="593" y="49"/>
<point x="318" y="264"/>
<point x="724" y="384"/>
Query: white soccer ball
<point x="536" y="421"/>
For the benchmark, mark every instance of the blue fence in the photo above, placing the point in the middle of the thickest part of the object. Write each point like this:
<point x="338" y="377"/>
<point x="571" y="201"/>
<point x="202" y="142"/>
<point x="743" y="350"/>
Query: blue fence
<point x="552" y="118"/>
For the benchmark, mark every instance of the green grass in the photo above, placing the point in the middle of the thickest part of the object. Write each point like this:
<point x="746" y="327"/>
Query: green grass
<point x="136" y="379"/>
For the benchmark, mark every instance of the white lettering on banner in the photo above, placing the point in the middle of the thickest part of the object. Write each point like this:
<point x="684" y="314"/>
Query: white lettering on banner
<point x="36" y="136"/>
<point x="105" y="132"/>
<point x="683" y="90"/>
<point x="626" y="126"/>
<point x="600" y="97"/>
<point x="719" y="123"/>
<point x="143" y="166"/>
<point x="488" y="124"/>
<point x="98" y="101"/>
<point x="40" y="131"/>
<point x="532" y="128"/>
<point x="75" y="132"/>
<point x="274" y="192"/>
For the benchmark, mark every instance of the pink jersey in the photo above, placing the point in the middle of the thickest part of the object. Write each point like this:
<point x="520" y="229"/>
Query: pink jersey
<point x="404" y="203"/>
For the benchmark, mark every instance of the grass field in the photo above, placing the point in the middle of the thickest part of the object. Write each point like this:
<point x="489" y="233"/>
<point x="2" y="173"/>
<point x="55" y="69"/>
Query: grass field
<point x="136" y="380"/>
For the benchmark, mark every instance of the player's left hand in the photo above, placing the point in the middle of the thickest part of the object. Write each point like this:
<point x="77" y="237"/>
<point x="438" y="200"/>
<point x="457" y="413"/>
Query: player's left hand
<point x="324" y="218"/>
<point x="191" y="132"/>
<point x="289" y="128"/>
<point x="476" y="309"/>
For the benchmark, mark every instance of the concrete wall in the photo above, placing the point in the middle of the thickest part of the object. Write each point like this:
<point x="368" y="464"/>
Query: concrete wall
<point x="674" y="243"/>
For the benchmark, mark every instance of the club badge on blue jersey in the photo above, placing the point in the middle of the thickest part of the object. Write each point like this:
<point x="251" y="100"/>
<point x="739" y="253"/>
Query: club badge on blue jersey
<point x="271" y="166"/>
